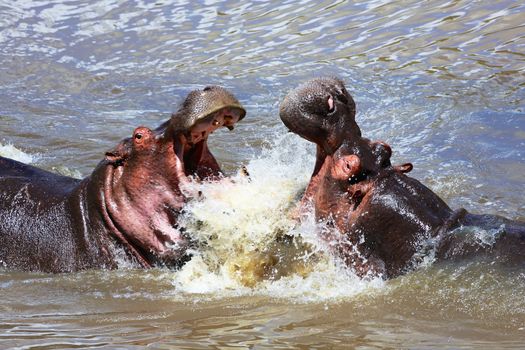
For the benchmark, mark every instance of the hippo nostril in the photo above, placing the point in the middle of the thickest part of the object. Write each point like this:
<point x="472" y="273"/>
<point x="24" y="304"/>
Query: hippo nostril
<point x="353" y="180"/>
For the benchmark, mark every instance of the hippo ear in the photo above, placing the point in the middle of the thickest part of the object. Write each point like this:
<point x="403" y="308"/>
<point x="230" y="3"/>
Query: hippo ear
<point x="404" y="168"/>
<point x="120" y="153"/>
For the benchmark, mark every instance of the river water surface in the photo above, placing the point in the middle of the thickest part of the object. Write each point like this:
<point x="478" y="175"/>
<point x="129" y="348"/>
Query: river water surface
<point x="441" y="81"/>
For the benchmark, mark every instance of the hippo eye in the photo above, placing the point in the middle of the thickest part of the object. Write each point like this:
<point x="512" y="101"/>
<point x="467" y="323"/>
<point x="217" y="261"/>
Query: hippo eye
<point x="138" y="136"/>
<point x="331" y="105"/>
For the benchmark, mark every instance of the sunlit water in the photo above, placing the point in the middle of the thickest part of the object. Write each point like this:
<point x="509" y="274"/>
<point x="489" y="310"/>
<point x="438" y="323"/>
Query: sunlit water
<point x="442" y="82"/>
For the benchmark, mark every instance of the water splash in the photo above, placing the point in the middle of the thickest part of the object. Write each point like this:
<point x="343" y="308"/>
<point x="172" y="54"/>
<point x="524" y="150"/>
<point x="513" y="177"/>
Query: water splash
<point x="66" y="171"/>
<point x="12" y="152"/>
<point x="249" y="244"/>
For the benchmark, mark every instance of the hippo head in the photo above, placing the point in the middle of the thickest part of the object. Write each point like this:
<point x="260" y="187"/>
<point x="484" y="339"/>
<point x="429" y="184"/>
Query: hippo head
<point x="322" y="111"/>
<point x="145" y="177"/>
<point x="376" y="219"/>
<point x="376" y="216"/>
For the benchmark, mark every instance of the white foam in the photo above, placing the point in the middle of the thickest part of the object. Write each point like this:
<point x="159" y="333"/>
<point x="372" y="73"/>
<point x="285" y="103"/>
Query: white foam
<point x="239" y="220"/>
<point x="12" y="152"/>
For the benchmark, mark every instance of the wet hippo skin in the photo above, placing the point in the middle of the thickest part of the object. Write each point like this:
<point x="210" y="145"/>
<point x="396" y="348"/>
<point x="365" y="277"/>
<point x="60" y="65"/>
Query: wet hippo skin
<point x="379" y="220"/>
<point x="127" y="209"/>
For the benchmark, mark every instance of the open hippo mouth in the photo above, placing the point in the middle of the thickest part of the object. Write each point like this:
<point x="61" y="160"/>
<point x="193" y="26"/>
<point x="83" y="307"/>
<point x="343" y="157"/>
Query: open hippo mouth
<point x="203" y="112"/>
<point x="146" y="176"/>
<point x="322" y="111"/>
<point x="193" y="149"/>
<point x="226" y="117"/>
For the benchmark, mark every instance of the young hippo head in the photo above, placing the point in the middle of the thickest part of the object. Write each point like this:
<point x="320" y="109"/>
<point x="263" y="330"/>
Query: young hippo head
<point x="321" y="111"/>
<point x="145" y="175"/>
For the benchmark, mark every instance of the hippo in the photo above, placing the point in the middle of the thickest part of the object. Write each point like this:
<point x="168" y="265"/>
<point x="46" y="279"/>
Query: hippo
<point x="377" y="219"/>
<point x="124" y="213"/>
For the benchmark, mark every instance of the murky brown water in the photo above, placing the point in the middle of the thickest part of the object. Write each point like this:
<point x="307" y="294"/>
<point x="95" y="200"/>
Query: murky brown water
<point x="441" y="81"/>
